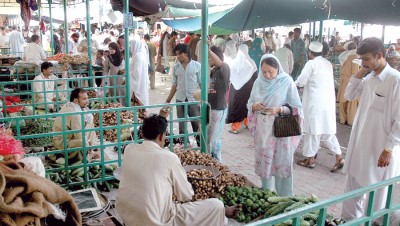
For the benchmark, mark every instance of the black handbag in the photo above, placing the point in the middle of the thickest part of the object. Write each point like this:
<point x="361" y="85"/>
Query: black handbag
<point x="287" y="125"/>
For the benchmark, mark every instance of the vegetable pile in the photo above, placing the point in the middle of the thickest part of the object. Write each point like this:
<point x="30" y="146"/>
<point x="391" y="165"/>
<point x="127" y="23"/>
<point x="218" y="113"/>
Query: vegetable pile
<point x="205" y="189"/>
<point x="110" y="119"/>
<point x="74" y="59"/>
<point x="77" y="173"/>
<point x="38" y="127"/>
<point x="259" y="203"/>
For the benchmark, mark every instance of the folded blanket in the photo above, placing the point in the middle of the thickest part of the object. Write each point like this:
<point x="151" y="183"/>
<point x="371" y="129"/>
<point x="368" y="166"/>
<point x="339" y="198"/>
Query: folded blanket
<point x="25" y="198"/>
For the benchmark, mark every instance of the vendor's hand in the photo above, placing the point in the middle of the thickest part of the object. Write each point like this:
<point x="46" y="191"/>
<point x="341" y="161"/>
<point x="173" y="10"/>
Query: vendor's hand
<point x="164" y="112"/>
<point x="258" y="106"/>
<point x="273" y="110"/>
<point x="123" y="82"/>
<point x="384" y="159"/>
<point x="54" y="99"/>
<point x="362" y="72"/>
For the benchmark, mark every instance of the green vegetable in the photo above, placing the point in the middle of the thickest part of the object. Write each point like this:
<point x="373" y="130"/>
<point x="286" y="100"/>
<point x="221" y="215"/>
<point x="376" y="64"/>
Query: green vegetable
<point x="278" y="199"/>
<point x="38" y="127"/>
<point x="282" y="207"/>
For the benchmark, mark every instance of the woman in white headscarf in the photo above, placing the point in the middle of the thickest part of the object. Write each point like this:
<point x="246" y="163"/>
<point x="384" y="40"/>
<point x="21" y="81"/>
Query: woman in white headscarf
<point x="139" y="79"/>
<point x="242" y="81"/>
<point x="273" y="156"/>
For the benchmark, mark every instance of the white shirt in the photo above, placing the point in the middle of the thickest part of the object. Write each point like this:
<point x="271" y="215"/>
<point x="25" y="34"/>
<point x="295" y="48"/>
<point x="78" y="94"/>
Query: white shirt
<point x="40" y="87"/>
<point x="376" y="126"/>
<point x="150" y="176"/>
<point x="3" y="40"/>
<point x="34" y="53"/>
<point x="319" y="101"/>
<point x="16" y="42"/>
<point x="285" y="57"/>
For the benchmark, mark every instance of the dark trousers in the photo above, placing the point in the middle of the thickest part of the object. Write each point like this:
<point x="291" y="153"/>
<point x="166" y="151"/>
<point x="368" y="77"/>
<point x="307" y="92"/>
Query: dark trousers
<point x="192" y="111"/>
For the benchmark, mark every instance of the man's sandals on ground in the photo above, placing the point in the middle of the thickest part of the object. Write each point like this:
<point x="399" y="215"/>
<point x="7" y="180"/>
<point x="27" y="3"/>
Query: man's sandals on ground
<point x="306" y="163"/>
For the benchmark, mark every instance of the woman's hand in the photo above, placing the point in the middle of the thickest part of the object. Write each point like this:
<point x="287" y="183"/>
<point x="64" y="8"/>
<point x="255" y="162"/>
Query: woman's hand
<point x="273" y="110"/>
<point x="257" y="106"/>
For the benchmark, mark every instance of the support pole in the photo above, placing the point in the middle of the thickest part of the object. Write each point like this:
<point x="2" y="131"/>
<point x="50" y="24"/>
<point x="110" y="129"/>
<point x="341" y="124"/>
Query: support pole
<point x="40" y="18"/>
<point x="204" y="76"/>
<point x="127" y="72"/>
<point x="309" y="32"/>
<point x="89" y="41"/>
<point x="51" y="29"/>
<point x="383" y="33"/>
<point x="321" y="26"/>
<point x="313" y="33"/>
<point x="66" y="38"/>
<point x="362" y="31"/>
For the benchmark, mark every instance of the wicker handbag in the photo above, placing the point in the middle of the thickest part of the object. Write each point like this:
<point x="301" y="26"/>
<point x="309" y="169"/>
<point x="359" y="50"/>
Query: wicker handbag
<point x="287" y="125"/>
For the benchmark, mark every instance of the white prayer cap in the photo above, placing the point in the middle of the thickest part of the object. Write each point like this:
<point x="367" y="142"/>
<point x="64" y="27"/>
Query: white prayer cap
<point x="316" y="47"/>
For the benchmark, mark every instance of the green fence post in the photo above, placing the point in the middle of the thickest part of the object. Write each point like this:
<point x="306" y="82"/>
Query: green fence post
<point x="127" y="72"/>
<point x="386" y="217"/>
<point x="204" y="76"/>
<point x="66" y="40"/>
<point x="51" y="29"/>
<point x="89" y="41"/>
<point x="370" y="210"/>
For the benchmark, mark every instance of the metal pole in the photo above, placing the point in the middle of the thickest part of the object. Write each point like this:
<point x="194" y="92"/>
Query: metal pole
<point x="127" y="72"/>
<point x="89" y="41"/>
<point x="321" y="26"/>
<point x="313" y="33"/>
<point x="309" y="32"/>
<point x="362" y="31"/>
<point x="204" y="76"/>
<point x="383" y="33"/>
<point x="65" y="27"/>
<point x="51" y="29"/>
<point x="40" y="18"/>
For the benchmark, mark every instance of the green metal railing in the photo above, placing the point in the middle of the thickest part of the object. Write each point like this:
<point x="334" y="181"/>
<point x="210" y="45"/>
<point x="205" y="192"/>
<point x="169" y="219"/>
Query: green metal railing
<point x="322" y="206"/>
<point x="69" y="171"/>
<point x="63" y="88"/>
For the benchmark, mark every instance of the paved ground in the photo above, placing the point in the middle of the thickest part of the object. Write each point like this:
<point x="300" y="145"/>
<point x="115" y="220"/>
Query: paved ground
<point x="238" y="154"/>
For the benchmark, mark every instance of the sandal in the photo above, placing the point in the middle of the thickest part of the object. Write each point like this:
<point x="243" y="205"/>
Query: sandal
<point x="233" y="131"/>
<point x="338" y="166"/>
<point x="305" y="163"/>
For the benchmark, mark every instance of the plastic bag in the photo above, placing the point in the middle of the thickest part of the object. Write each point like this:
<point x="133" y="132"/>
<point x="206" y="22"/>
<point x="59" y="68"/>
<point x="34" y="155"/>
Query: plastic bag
<point x="10" y="146"/>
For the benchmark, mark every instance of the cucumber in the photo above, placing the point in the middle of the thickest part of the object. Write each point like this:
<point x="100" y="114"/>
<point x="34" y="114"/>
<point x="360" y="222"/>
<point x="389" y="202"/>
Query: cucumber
<point x="60" y="161"/>
<point x="282" y="207"/>
<point x="295" y="206"/>
<point x="77" y="171"/>
<point x="278" y="199"/>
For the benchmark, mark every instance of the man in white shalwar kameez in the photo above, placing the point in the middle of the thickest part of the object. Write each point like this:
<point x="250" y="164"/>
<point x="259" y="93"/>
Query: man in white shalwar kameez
<point x="319" y="105"/>
<point x="43" y="87"/>
<point x="150" y="177"/>
<point x="373" y="154"/>
<point x="16" y="42"/>
<point x="78" y="103"/>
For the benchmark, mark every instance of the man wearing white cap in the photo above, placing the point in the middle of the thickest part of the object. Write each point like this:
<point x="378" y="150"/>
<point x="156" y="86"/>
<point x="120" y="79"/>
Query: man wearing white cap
<point x="319" y="105"/>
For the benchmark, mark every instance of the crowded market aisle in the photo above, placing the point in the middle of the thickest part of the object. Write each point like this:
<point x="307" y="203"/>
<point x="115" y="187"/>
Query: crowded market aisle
<point x="238" y="155"/>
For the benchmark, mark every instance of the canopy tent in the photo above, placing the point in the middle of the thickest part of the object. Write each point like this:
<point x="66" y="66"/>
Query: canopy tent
<point x="385" y="12"/>
<point x="174" y="12"/>
<point x="251" y="14"/>
<point x="194" y="23"/>
<point x="146" y="7"/>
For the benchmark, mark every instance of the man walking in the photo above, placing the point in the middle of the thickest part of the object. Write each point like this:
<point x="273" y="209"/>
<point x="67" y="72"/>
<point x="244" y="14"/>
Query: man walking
<point x="319" y="108"/>
<point x="16" y="42"/>
<point x="299" y="53"/>
<point x="373" y="154"/>
<point x="152" y="54"/>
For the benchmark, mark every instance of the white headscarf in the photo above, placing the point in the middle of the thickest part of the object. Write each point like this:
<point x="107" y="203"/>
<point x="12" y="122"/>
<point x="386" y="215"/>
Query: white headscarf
<point x="245" y="68"/>
<point x="230" y="50"/>
<point x="139" y="80"/>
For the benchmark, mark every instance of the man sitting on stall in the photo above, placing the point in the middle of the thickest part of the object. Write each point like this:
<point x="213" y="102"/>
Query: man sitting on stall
<point x="79" y="101"/>
<point x="43" y="87"/>
<point x="34" y="52"/>
<point x="151" y="176"/>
